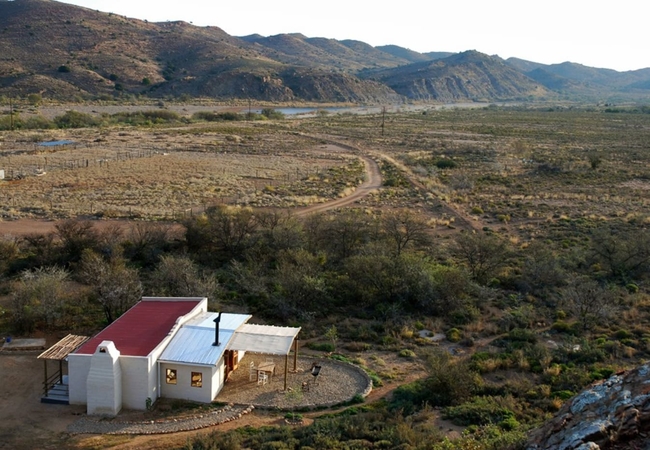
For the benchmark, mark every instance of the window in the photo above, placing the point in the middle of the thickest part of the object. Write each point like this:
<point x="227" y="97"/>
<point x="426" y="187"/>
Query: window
<point x="197" y="379"/>
<point x="171" y="376"/>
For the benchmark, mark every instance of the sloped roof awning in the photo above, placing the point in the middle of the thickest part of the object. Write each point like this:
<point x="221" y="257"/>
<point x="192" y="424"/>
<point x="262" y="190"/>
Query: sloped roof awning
<point x="266" y="339"/>
<point x="63" y="348"/>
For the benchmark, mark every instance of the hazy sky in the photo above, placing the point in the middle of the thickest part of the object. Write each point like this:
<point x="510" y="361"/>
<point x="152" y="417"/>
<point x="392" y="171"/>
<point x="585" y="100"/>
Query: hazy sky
<point x="606" y="34"/>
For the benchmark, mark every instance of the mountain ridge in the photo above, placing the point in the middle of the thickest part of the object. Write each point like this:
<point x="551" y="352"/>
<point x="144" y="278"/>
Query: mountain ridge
<point x="69" y="52"/>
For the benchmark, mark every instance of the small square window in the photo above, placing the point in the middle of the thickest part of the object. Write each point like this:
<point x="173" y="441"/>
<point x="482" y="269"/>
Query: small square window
<point x="171" y="376"/>
<point x="197" y="379"/>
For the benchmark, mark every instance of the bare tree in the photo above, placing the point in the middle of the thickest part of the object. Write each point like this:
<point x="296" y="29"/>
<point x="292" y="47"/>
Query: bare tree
<point x="39" y="296"/>
<point x="178" y="276"/>
<point x="483" y="254"/>
<point x="76" y="236"/>
<point x="115" y="286"/>
<point x="588" y="302"/>
<point x="622" y="253"/>
<point x="404" y="228"/>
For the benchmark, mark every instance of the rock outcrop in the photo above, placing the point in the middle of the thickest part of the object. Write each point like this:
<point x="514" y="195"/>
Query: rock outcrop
<point x="607" y="415"/>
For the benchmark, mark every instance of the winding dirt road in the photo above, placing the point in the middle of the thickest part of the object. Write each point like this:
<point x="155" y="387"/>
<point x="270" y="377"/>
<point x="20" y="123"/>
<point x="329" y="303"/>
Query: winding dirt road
<point x="372" y="183"/>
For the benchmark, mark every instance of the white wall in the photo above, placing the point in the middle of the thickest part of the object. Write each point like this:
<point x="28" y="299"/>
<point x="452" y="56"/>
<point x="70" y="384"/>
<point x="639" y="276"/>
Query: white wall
<point x="183" y="388"/>
<point x="135" y="382"/>
<point x="217" y="379"/>
<point x="78" y="368"/>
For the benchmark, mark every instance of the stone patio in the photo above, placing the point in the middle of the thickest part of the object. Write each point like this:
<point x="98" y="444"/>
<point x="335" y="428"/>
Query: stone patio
<point x="337" y="382"/>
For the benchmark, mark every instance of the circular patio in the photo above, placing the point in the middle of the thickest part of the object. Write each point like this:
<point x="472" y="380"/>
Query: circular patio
<point x="336" y="382"/>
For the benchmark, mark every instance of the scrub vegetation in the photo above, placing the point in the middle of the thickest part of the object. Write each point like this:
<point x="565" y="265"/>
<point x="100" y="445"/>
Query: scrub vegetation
<point x="507" y="253"/>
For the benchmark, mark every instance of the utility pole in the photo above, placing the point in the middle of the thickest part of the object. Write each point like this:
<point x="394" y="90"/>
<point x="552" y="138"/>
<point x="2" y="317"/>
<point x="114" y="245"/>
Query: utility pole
<point x="11" y="113"/>
<point x="383" y="119"/>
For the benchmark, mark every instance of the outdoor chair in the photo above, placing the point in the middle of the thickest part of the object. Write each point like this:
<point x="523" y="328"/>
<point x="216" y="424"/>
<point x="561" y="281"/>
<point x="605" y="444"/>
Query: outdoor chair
<point x="252" y="371"/>
<point x="262" y="378"/>
<point x="315" y="371"/>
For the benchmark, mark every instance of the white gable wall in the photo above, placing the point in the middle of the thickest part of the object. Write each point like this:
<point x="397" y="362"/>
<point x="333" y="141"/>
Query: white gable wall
<point x="78" y="368"/>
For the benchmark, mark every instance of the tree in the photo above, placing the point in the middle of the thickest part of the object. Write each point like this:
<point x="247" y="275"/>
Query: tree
<point x="115" y="286"/>
<point x="588" y="302"/>
<point x="178" y="276"/>
<point x="404" y="228"/>
<point x="39" y="296"/>
<point x="483" y="254"/>
<point x="622" y="253"/>
<point x="76" y="236"/>
<point x="222" y="231"/>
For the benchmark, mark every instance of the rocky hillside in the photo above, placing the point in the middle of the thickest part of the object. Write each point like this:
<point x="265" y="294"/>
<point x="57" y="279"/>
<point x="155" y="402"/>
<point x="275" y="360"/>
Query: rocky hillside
<point x="614" y="413"/>
<point x="469" y="75"/>
<point x="68" y="52"/>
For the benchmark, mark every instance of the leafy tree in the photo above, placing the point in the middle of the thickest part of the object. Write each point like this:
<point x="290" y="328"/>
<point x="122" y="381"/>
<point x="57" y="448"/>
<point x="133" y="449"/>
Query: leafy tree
<point x="115" y="286"/>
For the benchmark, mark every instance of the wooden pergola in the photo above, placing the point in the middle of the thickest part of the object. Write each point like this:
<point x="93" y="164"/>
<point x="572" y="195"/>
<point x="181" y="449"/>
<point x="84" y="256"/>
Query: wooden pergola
<point x="59" y="352"/>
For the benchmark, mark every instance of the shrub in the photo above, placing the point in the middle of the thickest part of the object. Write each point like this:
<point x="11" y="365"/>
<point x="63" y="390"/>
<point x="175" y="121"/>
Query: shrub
<point x="321" y="346"/>
<point x="477" y="210"/>
<point x="406" y="353"/>
<point x="75" y="119"/>
<point x="478" y="411"/>
<point x="64" y="69"/>
<point x="454" y="335"/>
<point x="446" y="164"/>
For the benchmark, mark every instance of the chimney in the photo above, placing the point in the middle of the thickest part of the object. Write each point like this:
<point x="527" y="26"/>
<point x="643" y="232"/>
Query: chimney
<point x="216" y="330"/>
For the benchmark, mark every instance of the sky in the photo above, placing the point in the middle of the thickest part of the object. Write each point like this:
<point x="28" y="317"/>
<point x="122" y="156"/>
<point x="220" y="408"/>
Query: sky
<point x="609" y="35"/>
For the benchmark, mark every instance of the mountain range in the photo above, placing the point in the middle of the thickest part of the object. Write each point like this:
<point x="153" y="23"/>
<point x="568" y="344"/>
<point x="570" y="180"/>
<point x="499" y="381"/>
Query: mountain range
<point x="68" y="52"/>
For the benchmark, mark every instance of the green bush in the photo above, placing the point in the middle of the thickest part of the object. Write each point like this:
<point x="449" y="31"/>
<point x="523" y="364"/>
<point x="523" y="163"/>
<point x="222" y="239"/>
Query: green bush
<point x="446" y="164"/>
<point x="75" y="119"/>
<point x="406" y="353"/>
<point x="321" y="346"/>
<point x="217" y="117"/>
<point x="64" y="69"/>
<point x="478" y="411"/>
<point x="454" y="335"/>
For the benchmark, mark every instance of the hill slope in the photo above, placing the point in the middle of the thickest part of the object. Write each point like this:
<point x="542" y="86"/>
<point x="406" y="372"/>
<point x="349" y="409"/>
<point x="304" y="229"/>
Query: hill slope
<point x="470" y="75"/>
<point x="67" y="52"/>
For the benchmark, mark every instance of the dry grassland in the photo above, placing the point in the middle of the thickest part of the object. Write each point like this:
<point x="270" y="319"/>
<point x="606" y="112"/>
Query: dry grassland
<point x="168" y="173"/>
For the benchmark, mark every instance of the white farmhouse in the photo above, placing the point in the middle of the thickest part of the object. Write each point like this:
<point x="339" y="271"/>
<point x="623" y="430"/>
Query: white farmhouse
<point x="166" y="347"/>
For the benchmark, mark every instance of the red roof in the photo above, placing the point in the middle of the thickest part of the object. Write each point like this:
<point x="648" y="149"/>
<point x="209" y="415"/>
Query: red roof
<point x="139" y="330"/>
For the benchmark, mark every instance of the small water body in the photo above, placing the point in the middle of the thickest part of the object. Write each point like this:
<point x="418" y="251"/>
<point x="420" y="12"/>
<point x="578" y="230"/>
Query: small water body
<point x="55" y="143"/>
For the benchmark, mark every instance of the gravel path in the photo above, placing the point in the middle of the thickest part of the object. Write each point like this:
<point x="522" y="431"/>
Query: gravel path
<point x="99" y="425"/>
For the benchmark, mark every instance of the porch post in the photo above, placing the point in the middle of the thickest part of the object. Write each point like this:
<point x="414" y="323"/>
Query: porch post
<point x="60" y="371"/>
<point x="45" y="379"/>
<point x="295" y="355"/>
<point x="286" y="370"/>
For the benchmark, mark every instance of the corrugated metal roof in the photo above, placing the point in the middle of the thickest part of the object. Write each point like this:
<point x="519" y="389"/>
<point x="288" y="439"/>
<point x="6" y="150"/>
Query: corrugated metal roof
<point x="193" y="345"/>
<point x="139" y="330"/>
<point x="228" y="321"/>
<point x="266" y="339"/>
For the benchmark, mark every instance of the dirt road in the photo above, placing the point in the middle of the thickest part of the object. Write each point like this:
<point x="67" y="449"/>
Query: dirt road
<point x="373" y="182"/>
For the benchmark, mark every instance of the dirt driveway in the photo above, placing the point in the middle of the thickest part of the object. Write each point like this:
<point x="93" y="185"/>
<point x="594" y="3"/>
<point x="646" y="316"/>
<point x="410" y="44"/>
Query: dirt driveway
<point x="26" y="423"/>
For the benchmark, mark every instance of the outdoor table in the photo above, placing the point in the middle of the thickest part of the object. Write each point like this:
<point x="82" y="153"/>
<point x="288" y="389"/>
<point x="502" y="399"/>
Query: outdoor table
<point x="266" y="367"/>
